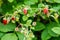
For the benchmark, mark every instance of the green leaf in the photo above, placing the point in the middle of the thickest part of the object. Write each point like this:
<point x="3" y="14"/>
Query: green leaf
<point x="52" y="33"/>
<point x="25" y="18"/>
<point x="20" y="36"/>
<point x="30" y="2"/>
<point x="53" y="1"/>
<point x="50" y="1"/>
<point x="28" y="23"/>
<point x="45" y="35"/>
<point x="10" y="1"/>
<point x="9" y="36"/>
<point x="31" y="12"/>
<point x="55" y="38"/>
<point x="7" y="7"/>
<point x="57" y="1"/>
<point x="1" y="2"/>
<point x="1" y="34"/>
<point x="39" y="26"/>
<point x="0" y="9"/>
<point x="35" y="38"/>
<point x="28" y="38"/>
<point x="40" y="5"/>
<point x="50" y="26"/>
<point x="56" y="30"/>
<point x="57" y="7"/>
<point x="8" y="27"/>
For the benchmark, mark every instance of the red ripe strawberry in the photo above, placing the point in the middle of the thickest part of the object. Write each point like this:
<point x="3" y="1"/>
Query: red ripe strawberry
<point x="25" y="11"/>
<point x="45" y="10"/>
<point x="4" y="22"/>
<point x="13" y="18"/>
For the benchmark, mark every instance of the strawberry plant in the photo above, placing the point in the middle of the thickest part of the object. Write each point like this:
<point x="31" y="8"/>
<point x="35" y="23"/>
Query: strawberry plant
<point x="29" y="19"/>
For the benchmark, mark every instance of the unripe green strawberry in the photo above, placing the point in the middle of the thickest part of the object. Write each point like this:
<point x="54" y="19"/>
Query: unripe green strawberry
<point x="17" y="18"/>
<point x="13" y="21"/>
